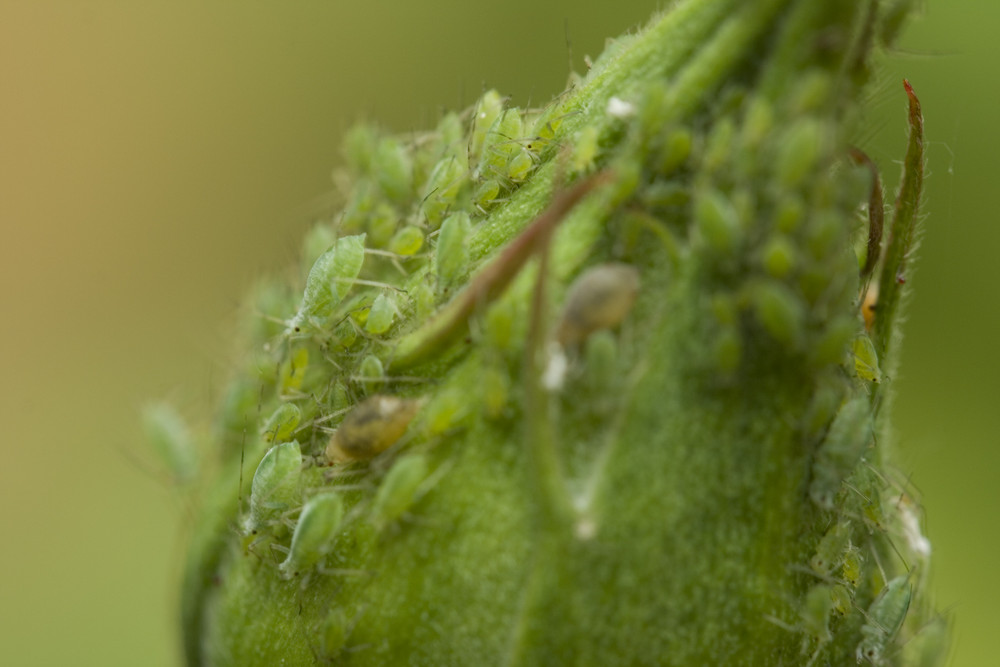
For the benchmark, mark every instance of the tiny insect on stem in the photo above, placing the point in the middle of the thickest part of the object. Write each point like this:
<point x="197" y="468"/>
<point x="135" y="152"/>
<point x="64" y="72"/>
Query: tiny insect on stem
<point x="452" y="322"/>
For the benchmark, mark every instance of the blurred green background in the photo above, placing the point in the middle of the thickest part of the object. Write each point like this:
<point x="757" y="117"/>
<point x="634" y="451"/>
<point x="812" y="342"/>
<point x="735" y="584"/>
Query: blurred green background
<point x="156" y="157"/>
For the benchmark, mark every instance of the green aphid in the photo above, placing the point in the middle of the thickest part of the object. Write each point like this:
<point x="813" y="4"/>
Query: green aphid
<point x="446" y="411"/>
<point x="842" y="601"/>
<point x="422" y="298"/>
<point x="813" y="90"/>
<point x="816" y="610"/>
<point x="453" y="252"/>
<point x="830" y="346"/>
<point x="851" y="570"/>
<point x="393" y="170"/>
<point x="329" y="280"/>
<point x="371" y="372"/>
<point x="799" y="151"/>
<point x="486" y="193"/>
<point x="719" y="146"/>
<point x="487" y="110"/>
<point x="495" y="387"/>
<point x="293" y="371"/>
<point x="276" y="486"/>
<point x="359" y="147"/>
<point x="676" y="150"/>
<point x="585" y="149"/>
<point x="333" y="633"/>
<point x="282" y="423"/>
<point x="451" y="139"/>
<point x="444" y="186"/>
<point x="727" y="349"/>
<point x="501" y="144"/>
<point x="885" y="617"/>
<point x="849" y="436"/>
<point x="780" y="311"/>
<point x="381" y="315"/>
<point x="778" y="256"/>
<point x="319" y="239"/>
<point x="717" y="221"/>
<point x="382" y="225"/>
<point x="866" y="359"/>
<point x="399" y="489"/>
<point x="789" y="214"/>
<point x="408" y="241"/>
<point x="758" y="121"/>
<point x="170" y="438"/>
<point x="314" y="534"/>
<point x="520" y="165"/>
<point x="831" y="549"/>
<point x="827" y="398"/>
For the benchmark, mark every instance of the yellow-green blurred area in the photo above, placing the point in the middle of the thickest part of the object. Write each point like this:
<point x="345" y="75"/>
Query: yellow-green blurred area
<point x="157" y="157"/>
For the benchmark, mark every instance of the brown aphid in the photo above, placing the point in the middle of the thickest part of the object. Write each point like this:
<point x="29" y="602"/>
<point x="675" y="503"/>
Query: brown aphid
<point x="371" y="427"/>
<point x="599" y="298"/>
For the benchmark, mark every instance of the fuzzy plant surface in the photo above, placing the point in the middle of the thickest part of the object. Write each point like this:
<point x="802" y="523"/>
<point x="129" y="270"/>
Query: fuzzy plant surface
<point x="603" y="383"/>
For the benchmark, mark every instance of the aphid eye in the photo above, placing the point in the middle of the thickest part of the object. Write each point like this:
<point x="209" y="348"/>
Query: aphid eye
<point x="599" y="299"/>
<point x="371" y="427"/>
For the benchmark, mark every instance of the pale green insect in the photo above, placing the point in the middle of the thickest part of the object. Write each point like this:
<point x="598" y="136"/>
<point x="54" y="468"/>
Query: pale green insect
<point x="282" y="423"/>
<point x="293" y="371"/>
<point x="717" y="221"/>
<point x="381" y="316"/>
<point x="816" y="610"/>
<point x="500" y="145"/>
<point x="314" y="534"/>
<point x="371" y="427"/>
<point x="519" y="165"/>
<point x="444" y="186"/>
<point x="866" y="359"/>
<point x="851" y="570"/>
<point x="585" y="150"/>
<point x="276" y="486"/>
<point x="399" y="488"/>
<point x="831" y="548"/>
<point x="486" y="113"/>
<point x="885" y="617"/>
<point x="599" y="298"/>
<point x="453" y="251"/>
<point x="849" y="436"/>
<point x="371" y="373"/>
<point x="800" y="147"/>
<point x="486" y="193"/>
<point x="407" y="241"/>
<point x="393" y="170"/>
<point x="779" y="310"/>
<point x="170" y="438"/>
<point x="329" y="280"/>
